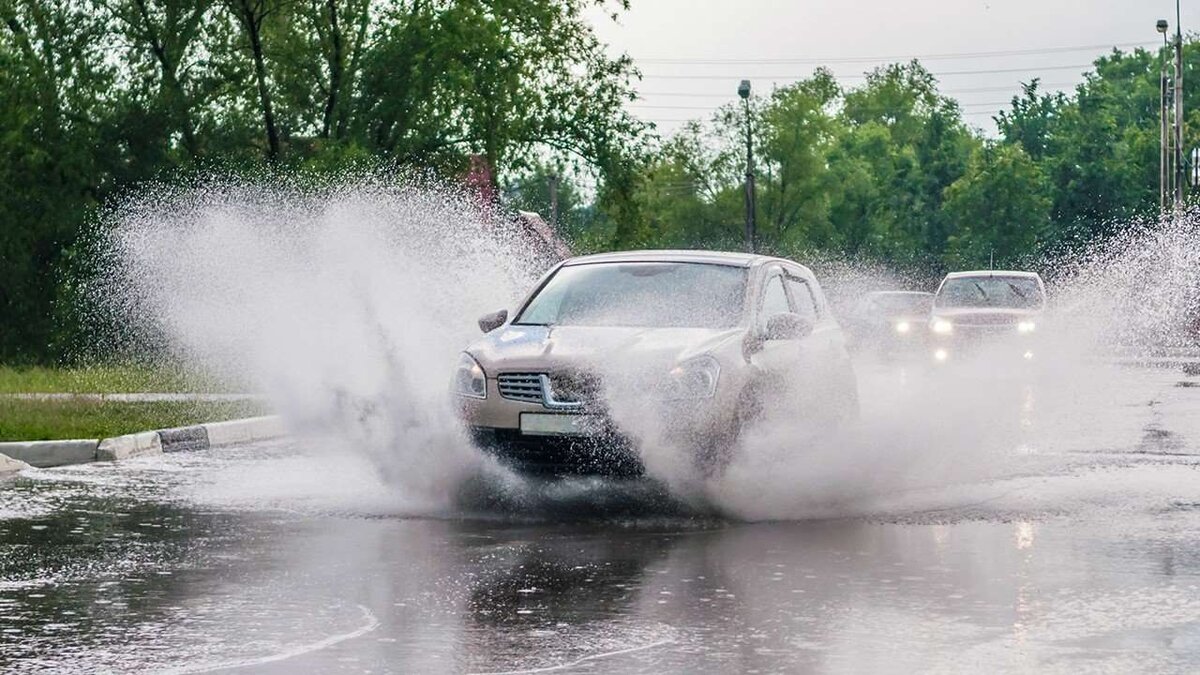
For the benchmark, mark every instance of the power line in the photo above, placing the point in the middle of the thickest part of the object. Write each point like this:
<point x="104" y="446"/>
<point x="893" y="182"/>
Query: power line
<point x="994" y="71"/>
<point x="976" y="90"/>
<point x="925" y="57"/>
<point x="714" y="108"/>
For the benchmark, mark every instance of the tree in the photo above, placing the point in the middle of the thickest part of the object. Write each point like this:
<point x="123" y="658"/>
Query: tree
<point x="165" y="32"/>
<point x="1001" y="207"/>
<point x="250" y="16"/>
<point x="55" y="86"/>
<point x="513" y="78"/>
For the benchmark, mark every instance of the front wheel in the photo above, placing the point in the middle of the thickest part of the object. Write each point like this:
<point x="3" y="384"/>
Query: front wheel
<point x="716" y="452"/>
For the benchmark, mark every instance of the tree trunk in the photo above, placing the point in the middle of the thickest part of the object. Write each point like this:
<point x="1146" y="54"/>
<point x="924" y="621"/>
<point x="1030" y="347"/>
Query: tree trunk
<point x="251" y="13"/>
<point x="336" y="67"/>
<point x="173" y="94"/>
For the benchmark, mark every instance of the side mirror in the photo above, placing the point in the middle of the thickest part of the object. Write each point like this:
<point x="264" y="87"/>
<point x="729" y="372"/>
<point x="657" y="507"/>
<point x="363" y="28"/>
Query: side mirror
<point x="490" y="322"/>
<point x="788" y="326"/>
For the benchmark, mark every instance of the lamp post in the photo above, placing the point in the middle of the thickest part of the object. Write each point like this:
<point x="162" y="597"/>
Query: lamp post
<point x="1179" y="175"/>
<point x="744" y="92"/>
<point x="1165" y="173"/>
<point x="1171" y="173"/>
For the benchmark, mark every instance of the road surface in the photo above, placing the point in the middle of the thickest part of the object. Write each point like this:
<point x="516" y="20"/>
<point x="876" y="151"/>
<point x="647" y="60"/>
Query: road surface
<point x="1081" y="552"/>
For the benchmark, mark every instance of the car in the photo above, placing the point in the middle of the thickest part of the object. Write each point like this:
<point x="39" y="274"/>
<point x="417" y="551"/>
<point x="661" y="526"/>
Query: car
<point x="974" y="310"/>
<point x="617" y="349"/>
<point x="891" y="321"/>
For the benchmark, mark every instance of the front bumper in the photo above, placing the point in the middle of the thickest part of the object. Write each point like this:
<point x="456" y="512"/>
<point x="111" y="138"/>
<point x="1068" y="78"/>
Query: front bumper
<point x="990" y="343"/>
<point x="606" y="448"/>
<point x="597" y="455"/>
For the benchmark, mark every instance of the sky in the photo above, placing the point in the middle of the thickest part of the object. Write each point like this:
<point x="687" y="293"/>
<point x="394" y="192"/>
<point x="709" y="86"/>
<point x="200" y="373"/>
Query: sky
<point x="693" y="53"/>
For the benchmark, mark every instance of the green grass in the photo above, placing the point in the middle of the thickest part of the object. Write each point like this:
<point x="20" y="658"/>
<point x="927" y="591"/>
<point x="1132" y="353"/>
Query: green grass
<point x="22" y="420"/>
<point x="30" y="420"/>
<point x="109" y="379"/>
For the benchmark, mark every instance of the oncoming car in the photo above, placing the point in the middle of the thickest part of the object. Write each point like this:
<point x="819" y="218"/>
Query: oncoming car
<point x="689" y="346"/>
<point x="891" y="321"/>
<point x="977" y="309"/>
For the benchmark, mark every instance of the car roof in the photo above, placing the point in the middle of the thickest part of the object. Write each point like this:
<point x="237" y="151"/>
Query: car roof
<point x="993" y="273"/>
<point x="706" y="257"/>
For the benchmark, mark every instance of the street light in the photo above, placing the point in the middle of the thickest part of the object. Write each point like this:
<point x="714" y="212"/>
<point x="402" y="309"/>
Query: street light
<point x="1171" y="160"/>
<point x="744" y="92"/>
<point x="1165" y="172"/>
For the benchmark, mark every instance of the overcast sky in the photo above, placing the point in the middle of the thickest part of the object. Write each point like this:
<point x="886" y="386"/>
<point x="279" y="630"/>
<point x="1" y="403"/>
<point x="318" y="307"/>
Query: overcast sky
<point x="671" y="39"/>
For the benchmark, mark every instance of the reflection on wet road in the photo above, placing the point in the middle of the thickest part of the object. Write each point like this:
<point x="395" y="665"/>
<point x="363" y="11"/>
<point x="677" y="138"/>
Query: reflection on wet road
<point x="263" y="559"/>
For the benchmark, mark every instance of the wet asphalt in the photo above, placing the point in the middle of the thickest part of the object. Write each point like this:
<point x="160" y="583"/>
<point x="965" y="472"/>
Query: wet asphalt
<point x="254" y="559"/>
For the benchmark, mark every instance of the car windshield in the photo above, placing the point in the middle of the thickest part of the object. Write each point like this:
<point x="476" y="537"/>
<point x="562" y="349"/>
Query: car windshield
<point x="642" y="294"/>
<point x="901" y="304"/>
<point x="991" y="291"/>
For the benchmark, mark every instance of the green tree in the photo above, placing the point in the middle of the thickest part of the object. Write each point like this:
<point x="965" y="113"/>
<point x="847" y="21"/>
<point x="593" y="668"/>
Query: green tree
<point x="1001" y="207"/>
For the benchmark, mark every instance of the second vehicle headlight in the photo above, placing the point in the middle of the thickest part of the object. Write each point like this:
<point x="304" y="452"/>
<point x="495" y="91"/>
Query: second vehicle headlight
<point x="692" y="379"/>
<point x="903" y="326"/>
<point x="469" y="378"/>
<point x="1026" y="327"/>
<point x="942" y="327"/>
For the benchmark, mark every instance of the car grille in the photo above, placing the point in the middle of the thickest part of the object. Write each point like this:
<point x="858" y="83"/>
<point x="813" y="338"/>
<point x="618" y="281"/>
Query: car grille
<point x="521" y="386"/>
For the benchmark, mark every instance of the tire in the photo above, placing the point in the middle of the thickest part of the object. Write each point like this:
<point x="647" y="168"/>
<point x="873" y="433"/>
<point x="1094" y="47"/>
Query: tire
<point x="715" y="454"/>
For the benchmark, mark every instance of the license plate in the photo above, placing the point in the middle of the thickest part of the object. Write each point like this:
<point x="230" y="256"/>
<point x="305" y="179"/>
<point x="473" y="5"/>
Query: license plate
<point x="541" y="424"/>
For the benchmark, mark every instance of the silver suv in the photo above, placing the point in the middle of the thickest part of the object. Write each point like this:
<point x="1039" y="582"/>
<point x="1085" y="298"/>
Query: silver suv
<point x="612" y="349"/>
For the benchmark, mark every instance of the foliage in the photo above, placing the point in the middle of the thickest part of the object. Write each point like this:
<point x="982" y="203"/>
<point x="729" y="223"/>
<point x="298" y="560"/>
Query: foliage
<point x="97" y="97"/>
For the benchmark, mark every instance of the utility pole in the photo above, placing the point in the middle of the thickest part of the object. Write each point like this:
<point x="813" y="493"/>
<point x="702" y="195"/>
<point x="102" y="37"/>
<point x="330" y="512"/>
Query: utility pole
<point x="744" y="92"/>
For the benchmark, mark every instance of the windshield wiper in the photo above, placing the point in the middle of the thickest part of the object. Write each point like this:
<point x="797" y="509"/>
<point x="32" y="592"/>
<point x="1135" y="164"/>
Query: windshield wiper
<point x="1016" y="290"/>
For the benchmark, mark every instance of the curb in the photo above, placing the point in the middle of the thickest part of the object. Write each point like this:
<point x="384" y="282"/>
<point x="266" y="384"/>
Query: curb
<point x="10" y="465"/>
<point x="129" y="446"/>
<point x="45" y="454"/>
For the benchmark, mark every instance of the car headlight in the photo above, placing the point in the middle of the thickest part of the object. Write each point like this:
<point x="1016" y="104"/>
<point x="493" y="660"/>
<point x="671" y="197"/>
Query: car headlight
<point x="1026" y="327"/>
<point x="942" y="327"/>
<point x="693" y="379"/>
<point x="469" y="378"/>
<point x="903" y="327"/>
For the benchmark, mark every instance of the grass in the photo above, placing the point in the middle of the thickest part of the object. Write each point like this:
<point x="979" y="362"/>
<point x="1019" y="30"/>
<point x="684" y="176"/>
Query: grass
<point x="22" y="420"/>
<point x="109" y="379"/>
<point x="37" y="420"/>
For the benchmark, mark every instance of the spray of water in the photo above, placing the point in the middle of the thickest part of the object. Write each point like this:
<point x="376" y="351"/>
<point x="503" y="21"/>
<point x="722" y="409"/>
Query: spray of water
<point x="342" y="301"/>
<point x="346" y="302"/>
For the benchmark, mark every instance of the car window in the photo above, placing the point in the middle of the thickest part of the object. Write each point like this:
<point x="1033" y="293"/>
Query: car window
<point x="774" y="299"/>
<point x="991" y="291"/>
<point x="641" y="294"/>
<point x="802" y="296"/>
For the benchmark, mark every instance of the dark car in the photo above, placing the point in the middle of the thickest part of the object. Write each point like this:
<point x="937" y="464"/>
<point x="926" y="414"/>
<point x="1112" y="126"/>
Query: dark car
<point x="891" y="322"/>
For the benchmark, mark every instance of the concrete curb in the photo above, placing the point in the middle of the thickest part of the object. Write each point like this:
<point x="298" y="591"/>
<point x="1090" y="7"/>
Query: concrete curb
<point x="128" y="446"/>
<point x="44" y="454"/>
<point x="10" y="465"/>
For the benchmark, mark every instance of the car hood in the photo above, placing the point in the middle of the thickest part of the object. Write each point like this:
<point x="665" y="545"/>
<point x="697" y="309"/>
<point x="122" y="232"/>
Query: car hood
<point x="545" y="348"/>
<point x="986" y="315"/>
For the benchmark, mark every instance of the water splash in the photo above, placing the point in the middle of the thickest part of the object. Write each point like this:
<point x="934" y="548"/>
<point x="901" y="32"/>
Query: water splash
<point x="342" y="300"/>
<point x="347" y="300"/>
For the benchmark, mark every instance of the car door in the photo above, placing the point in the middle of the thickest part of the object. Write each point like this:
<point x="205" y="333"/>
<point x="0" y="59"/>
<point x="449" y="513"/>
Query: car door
<point x="823" y="353"/>
<point x="778" y="362"/>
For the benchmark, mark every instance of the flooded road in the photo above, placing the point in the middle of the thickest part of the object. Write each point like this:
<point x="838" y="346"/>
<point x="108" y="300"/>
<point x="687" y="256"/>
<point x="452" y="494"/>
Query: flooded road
<point x="1084" y="554"/>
